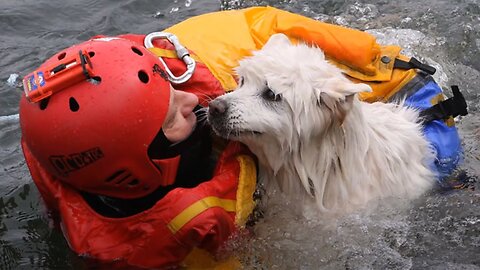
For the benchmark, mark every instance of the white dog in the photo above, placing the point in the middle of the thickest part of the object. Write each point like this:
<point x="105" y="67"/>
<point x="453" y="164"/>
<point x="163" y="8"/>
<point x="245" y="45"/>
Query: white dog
<point x="313" y="137"/>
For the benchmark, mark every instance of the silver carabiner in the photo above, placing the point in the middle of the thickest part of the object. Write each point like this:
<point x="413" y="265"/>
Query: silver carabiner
<point x="182" y="53"/>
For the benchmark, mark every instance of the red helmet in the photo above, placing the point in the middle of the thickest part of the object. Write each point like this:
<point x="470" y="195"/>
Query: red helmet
<point x="95" y="134"/>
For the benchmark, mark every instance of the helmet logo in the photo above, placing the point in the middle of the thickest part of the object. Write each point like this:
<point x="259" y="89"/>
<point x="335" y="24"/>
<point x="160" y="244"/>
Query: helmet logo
<point x="32" y="82"/>
<point x="157" y="69"/>
<point x="65" y="164"/>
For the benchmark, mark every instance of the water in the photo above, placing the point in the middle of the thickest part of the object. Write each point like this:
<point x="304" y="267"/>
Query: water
<point x="437" y="231"/>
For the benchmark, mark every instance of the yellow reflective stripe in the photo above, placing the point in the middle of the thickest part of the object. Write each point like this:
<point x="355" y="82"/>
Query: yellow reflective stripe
<point x="198" y="207"/>
<point x="170" y="54"/>
<point x="247" y="181"/>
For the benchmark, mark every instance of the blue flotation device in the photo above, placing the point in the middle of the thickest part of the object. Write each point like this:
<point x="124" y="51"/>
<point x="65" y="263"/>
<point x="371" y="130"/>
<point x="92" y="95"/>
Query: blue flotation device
<point x="439" y="131"/>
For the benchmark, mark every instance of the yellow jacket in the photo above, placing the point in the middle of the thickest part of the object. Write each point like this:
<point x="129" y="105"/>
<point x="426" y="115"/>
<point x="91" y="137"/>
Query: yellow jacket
<point x="221" y="39"/>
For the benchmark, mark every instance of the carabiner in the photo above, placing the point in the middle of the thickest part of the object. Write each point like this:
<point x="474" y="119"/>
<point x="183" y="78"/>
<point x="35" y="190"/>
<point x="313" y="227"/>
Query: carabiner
<point x="182" y="53"/>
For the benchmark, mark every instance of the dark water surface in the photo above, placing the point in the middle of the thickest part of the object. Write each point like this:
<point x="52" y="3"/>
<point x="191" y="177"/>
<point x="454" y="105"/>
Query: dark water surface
<point x="439" y="231"/>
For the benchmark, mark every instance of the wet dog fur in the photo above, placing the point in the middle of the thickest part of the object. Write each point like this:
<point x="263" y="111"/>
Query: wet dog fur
<point x="315" y="140"/>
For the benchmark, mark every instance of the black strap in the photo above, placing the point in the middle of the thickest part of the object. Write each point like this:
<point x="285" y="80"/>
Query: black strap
<point x="414" y="63"/>
<point x="84" y="61"/>
<point x="451" y="107"/>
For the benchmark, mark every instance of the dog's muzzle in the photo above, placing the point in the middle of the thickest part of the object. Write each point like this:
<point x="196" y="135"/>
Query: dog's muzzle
<point x="217" y="116"/>
<point x="217" y="108"/>
<point x="224" y="123"/>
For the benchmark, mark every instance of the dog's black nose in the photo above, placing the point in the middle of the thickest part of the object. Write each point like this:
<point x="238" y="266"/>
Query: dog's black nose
<point x="217" y="107"/>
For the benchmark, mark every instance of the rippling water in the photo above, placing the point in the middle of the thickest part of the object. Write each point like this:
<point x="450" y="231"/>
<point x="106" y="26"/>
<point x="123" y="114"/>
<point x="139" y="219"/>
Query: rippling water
<point x="439" y="231"/>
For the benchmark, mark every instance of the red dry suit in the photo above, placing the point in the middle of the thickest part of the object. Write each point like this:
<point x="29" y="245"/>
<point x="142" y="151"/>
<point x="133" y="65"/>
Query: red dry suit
<point x="195" y="219"/>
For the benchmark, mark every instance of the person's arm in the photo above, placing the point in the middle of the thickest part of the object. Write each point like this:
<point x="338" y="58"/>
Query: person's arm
<point x="202" y="218"/>
<point x="223" y="203"/>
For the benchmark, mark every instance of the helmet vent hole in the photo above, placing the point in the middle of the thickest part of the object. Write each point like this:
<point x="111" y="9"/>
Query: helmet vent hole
<point x="121" y="180"/>
<point x="95" y="80"/>
<point x="62" y="55"/>
<point x="137" y="51"/>
<point x="133" y="183"/>
<point x="118" y="177"/>
<point x="44" y="103"/>
<point x="143" y="76"/>
<point x="91" y="54"/>
<point x="73" y="104"/>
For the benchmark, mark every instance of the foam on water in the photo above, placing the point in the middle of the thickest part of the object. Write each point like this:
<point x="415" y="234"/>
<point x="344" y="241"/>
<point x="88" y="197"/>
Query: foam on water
<point x="8" y="118"/>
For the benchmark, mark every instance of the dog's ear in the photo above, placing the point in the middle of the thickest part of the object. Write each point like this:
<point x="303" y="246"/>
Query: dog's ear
<point x="340" y="99"/>
<point x="277" y="39"/>
<point x="338" y="107"/>
<point x="334" y="105"/>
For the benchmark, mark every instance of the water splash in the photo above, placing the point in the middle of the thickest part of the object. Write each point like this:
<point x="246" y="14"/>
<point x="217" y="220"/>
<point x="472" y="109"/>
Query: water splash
<point x="363" y="12"/>
<point x="9" y="118"/>
<point x="12" y="79"/>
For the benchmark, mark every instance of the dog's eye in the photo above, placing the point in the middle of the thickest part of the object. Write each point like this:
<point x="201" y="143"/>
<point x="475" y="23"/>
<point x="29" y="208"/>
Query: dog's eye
<point x="270" y="95"/>
<point x="241" y="81"/>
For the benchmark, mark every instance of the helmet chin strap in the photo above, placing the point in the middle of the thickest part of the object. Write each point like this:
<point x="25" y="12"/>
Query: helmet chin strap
<point x="162" y="148"/>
